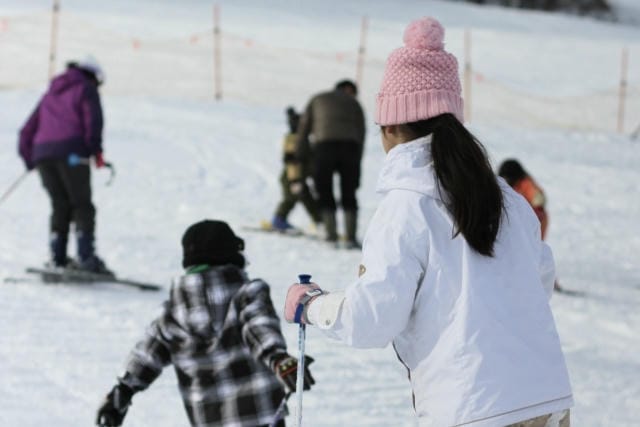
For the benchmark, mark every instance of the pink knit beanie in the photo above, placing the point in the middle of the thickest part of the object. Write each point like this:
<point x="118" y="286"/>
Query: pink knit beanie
<point x="421" y="79"/>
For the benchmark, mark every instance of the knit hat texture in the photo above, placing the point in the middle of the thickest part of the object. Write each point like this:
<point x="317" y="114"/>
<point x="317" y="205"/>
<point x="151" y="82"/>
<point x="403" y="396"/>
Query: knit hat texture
<point x="211" y="242"/>
<point x="420" y="79"/>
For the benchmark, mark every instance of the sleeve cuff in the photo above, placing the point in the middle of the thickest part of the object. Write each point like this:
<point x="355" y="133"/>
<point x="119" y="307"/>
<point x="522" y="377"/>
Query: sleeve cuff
<point x="324" y="311"/>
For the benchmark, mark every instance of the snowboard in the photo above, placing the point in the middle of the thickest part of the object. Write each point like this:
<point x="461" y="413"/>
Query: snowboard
<point x="62" y="275"/>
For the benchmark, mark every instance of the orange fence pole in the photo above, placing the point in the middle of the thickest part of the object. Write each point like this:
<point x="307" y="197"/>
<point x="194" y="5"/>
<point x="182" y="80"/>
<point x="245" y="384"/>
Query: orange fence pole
<point x="361" y="51"/>
<point x="217" y="66"/>
<point x="54" y="38"/>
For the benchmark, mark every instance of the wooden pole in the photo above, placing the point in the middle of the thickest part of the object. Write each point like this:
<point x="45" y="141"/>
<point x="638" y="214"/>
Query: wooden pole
<point x="468" y="75"/>
<point x="623" y="88"/>
<point x="217" y="76"/>
<point x="53" y="46"/>
<point x="361" y="51"/>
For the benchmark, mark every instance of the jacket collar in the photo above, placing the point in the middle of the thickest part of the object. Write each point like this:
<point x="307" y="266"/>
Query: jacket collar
<point x="408" y="166"/>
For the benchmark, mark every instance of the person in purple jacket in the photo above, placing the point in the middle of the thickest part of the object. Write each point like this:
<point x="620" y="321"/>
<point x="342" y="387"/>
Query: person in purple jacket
<point x="68" y="121"/>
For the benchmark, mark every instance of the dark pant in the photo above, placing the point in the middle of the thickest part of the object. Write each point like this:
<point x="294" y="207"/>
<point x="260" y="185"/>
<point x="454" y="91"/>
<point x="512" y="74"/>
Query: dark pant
<point x="343" y="158"/>
<point x="289" y="200"/>
<point x="69" y="189"/>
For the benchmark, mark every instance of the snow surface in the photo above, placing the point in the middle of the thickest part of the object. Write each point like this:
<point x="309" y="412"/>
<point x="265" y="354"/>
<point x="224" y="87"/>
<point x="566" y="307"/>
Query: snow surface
<point x="545" y="92"/>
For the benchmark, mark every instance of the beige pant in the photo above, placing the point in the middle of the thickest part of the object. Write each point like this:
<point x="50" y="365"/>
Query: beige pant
<point x="558" y="419"/>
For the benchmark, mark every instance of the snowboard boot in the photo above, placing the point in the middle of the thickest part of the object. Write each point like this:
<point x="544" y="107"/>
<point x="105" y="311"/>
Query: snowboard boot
<point x="351" y="227"/>
<point x="329" y="220"/>
<point x="88" y="260"/>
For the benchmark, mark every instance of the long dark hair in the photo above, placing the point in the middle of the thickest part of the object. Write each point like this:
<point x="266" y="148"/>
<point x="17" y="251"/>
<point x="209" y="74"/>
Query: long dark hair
<point x="463" y="170"/>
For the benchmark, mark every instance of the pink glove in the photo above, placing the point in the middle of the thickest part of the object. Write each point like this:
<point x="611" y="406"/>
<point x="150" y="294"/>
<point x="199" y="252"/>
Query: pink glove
<point x="296" y="295"/>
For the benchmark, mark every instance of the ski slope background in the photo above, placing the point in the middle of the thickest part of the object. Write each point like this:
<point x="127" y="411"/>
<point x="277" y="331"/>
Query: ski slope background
<point x="181" y="157"/>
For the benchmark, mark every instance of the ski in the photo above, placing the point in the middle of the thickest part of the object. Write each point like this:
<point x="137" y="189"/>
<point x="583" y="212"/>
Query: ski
<point x="265" y="227"/>
<point x="50" y="275"/>
<point x="570" y="292"/>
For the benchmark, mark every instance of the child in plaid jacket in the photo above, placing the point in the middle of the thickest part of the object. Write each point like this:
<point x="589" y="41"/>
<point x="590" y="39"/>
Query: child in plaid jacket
<point x="220" y="331"/>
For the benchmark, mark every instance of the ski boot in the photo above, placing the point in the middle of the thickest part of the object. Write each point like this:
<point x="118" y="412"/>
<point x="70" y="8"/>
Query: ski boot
<point x="88" y="260"/>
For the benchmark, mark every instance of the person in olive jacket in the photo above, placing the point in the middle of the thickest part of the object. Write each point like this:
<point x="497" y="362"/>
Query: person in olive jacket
<point x="333" y="128"/>
<point x="68" y="121"/>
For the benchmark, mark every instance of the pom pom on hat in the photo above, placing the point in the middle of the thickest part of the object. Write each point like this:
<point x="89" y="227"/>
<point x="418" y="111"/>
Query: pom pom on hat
<point x="424" y="33"/>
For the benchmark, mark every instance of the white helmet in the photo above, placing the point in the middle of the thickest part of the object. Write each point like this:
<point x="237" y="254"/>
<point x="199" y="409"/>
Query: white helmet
<point x="90" y="63"/>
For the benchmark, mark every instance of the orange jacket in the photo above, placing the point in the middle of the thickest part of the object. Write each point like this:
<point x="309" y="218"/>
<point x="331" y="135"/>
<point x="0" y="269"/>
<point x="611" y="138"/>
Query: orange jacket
<point x="528" y="188"/>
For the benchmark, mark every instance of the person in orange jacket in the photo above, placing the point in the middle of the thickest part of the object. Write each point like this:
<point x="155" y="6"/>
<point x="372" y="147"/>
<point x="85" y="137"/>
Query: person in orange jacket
<point x="515" y="175"/>
<point x="520" y="180"/>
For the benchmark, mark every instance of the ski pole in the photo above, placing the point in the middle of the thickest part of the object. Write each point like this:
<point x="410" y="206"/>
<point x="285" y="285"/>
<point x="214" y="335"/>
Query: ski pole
<point x="75" y="160"/>
<point x="280" y="411"/>
<point x="13" y="186"/>
<point x="305" y="279"/>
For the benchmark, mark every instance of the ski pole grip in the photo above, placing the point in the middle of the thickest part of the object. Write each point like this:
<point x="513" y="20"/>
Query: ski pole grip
<point x="304" y="279"/>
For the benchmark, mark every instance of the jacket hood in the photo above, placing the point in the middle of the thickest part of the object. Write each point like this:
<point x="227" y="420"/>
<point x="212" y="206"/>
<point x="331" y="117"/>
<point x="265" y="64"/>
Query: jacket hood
<point x="409" y="166"/>
<point x="72" y="77"/>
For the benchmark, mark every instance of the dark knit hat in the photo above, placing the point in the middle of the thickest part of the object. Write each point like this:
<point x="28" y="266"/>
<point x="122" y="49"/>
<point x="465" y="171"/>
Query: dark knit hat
<point x="211" y="242"/>
<point x="512" y="171"/>
<point x="347" y="85"/>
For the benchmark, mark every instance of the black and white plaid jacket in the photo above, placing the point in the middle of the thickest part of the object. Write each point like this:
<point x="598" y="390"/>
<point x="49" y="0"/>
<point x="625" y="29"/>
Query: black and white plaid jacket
<point x="220" y="332"/>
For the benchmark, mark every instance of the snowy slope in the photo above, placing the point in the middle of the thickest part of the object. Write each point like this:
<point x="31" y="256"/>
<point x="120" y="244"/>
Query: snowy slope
<point x="181" y="157"/>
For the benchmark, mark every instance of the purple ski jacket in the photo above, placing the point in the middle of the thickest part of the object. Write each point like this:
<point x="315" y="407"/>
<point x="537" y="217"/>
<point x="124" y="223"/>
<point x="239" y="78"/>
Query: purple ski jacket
<point x="68" y="119"/>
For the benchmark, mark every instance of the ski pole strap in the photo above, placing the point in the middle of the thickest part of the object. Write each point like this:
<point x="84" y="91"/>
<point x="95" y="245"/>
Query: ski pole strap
<point x="297" y="318"/>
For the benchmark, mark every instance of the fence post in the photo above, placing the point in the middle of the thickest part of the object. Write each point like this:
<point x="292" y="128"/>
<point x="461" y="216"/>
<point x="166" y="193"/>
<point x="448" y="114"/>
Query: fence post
<point x="361" y="51"/>
<point x="54" y="38"/>
<point x="623" y="88"/>
<point x="468" y="75"/>
<point x="217" y="77"/>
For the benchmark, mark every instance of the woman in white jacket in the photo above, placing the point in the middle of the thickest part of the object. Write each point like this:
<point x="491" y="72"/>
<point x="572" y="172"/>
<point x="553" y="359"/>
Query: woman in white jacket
<point x="453" y="272"/>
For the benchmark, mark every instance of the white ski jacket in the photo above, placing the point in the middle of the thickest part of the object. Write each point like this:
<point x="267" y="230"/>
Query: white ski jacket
<point x="476" y="333"/>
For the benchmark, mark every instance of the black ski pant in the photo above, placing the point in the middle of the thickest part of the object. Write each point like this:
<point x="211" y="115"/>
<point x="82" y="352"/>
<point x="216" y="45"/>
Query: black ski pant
<point x="69" y="189"/>
<point x="343" y="158"/>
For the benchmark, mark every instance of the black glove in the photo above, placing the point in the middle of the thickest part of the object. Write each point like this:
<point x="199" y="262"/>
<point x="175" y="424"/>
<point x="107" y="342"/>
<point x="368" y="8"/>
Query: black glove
<point x="115" y="406"/>
<point x="286" y="368"/>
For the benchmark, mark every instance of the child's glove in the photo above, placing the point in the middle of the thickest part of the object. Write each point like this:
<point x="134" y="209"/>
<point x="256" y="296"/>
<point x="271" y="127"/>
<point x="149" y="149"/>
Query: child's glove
<point x="286" y="369"/>
<point x="115" y="406"/>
